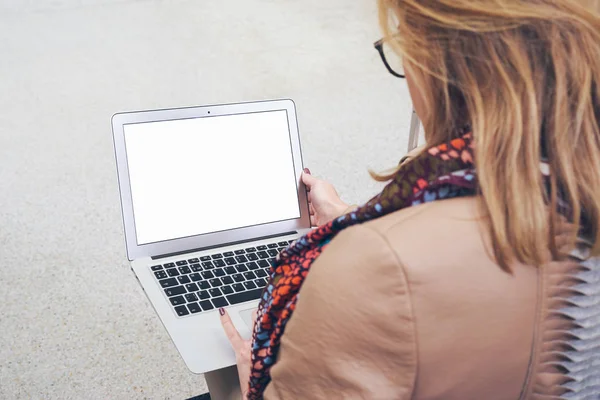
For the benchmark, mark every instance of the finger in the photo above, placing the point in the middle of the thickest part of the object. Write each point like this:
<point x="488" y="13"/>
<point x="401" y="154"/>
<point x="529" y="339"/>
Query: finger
<point x="308" y="180"/>
<point x="232" y="333"/>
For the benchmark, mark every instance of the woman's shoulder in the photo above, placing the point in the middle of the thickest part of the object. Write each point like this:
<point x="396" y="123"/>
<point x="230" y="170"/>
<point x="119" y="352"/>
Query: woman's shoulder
<point x="446" y="229"/>
<point x="351" y="334"/>
<point x="354" y="320"/>
<point x="402" y="293"/>
<point x="445" y="280"/>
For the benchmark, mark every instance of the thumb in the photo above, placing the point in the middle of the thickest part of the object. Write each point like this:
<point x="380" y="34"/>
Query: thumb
<point x="308" y="179"/>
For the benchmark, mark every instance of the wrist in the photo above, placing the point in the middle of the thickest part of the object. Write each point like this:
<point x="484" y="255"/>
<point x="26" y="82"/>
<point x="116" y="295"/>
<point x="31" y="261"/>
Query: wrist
<point x="343" y="208"/>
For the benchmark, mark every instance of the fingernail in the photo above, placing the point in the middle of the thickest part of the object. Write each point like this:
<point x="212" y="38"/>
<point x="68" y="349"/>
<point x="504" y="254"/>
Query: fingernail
<point x="222" y="311"/>
<point x="307" y="170"/>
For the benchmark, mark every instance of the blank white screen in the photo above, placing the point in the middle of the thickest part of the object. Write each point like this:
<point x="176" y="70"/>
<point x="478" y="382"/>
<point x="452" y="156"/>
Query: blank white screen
<point x="195" y="176"/>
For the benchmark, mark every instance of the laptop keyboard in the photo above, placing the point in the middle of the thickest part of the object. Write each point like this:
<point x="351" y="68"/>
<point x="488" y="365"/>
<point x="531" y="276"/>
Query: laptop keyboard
<point x="197" y="285"/>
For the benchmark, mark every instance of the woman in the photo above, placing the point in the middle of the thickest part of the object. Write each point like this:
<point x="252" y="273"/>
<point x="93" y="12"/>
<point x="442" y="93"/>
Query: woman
<point x="465" y="278"/>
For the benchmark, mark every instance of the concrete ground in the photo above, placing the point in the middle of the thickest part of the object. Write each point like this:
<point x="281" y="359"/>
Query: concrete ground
<point x="74" y="324"/>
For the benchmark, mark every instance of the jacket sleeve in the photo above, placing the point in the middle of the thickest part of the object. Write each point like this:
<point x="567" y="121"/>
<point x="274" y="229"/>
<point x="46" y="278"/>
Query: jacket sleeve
<point x="352" y="334"/>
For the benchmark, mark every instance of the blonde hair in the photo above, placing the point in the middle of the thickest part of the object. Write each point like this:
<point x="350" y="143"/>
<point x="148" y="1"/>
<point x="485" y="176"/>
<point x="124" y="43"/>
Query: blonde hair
<point x="525" y="76"/>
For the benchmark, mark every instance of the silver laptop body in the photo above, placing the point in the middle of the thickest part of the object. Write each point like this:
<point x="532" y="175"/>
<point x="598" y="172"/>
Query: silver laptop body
<point x="200" y="182"/>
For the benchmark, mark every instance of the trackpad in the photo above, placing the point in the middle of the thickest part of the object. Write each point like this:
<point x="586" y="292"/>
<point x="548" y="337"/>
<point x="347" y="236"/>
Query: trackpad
<point x="248" y="317"/>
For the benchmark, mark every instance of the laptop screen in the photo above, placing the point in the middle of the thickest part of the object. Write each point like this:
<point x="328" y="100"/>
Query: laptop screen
<point x="209" y="174"/>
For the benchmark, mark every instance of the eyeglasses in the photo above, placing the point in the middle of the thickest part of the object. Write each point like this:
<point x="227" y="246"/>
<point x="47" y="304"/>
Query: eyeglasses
<point x="391" y="60"/>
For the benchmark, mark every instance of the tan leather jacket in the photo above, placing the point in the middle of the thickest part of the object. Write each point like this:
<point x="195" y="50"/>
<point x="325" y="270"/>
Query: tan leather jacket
<point x="411" y="306"/>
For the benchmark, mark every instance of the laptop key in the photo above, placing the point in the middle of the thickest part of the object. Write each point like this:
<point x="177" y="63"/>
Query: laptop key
<point x="207" y="274"/>
<point x="230" y="261"/>
<point x="196" y="277"/>
<point x="244" y="296"/>
<point x="218" y="263"/>
<point x="249" y="275"/>
<point x="215" y="292"/>
<point x="252" y="257"/>
<point x="196" y="267"/>
<point x="272" y="245"/>
<point x="190" y="297"/>
<point x="260" y="273"/>
<point x="165" y="283"/>
<point x="160" y="274"/>
<point x="263" y="254"/>
<point x="283" y="244"/>
<point x="203" y="295"/>
<point x="249" y="285"/>
<point x="230" y="270"/>
<point x="216" y="282"/>
<point x="205" y="258"/>
<point x="185" y="270"/>
<point x="177" y="300"/>
<point x="182" y="311"/>
<point x="238" y="287"/>
<point x="263" y="247"/>
<point x="260" y="282"/>
<point x="271" y="261"/>
<point x="191" y="287"/>
<point x="227" y="290"/>
<point x="238" y="278"/>
<point x="227" y="280"/>
<point x="241" y="259"/>
<point x="228" y="254"/>
<point x="273" y="252"/>
<point x="193" y="260"/>
<point x="250" y="249"/>
<point x="252" y="266"/>
<point x="241" y="268"/>
<point x="220" y="302"/>
<point x="216" y="256"/>
<point x="156" y="267"/>
<point x="183" y="279"/>
<point x="180" y="263"/>
<point x="172" y="272"/>
<point x="238" y="252"/>
<point x="175" y="291"/>
<point x="219" y="272"/>
<point x="263" y="263"/>
<point x="207" y="265"/>
<point x="290" y="241"/>
<point x="169" y="265"/>
<point x="194" y="308"/>
<point x="206" y="305"/>
<point x="204" y="285"/>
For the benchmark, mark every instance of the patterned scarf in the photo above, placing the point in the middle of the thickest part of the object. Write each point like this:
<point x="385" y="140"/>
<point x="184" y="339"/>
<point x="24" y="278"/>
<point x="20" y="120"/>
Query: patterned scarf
<point x="440" y="172"/>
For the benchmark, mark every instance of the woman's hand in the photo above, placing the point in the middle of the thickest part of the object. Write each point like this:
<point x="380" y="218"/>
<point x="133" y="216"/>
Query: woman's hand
<point x="323" y="201"/>
<point x="242" y="349"/>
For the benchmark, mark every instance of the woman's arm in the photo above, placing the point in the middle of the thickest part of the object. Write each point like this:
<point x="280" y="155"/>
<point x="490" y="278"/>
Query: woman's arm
<point x="352" y="333"/>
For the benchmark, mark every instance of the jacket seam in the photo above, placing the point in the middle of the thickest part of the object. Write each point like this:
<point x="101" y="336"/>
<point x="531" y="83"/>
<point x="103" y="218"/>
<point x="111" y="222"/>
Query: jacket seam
<point x="531" y="372"/>
<point x="408" y="296"/>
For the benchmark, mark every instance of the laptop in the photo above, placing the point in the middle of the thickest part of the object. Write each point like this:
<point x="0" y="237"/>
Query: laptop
<point x="209" y="195"/>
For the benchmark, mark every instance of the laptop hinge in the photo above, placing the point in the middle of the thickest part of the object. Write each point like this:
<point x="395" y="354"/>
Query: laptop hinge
<point x="222" y="245"/>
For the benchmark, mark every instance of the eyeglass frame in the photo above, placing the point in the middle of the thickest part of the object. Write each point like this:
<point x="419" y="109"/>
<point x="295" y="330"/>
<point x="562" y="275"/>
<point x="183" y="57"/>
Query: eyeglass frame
<point x="379" y="47"/>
